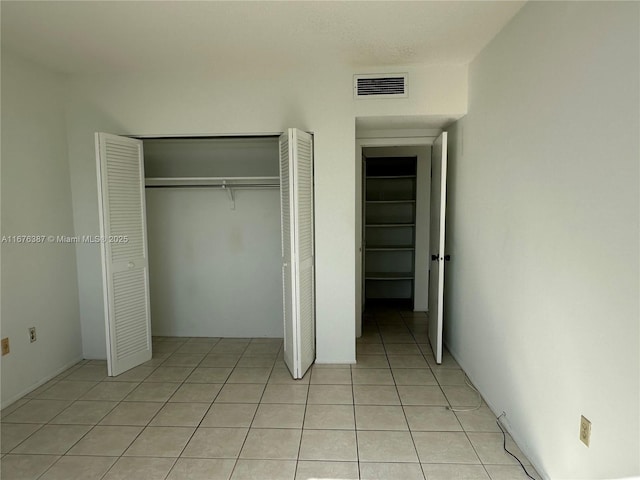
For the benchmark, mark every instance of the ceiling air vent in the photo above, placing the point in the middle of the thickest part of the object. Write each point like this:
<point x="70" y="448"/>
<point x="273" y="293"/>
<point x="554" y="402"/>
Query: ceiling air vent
<point x="387" y="85"/>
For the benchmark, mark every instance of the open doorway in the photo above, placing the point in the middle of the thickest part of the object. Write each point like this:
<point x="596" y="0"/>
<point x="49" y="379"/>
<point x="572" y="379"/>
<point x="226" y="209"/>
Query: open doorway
<point x="394" y="205"/>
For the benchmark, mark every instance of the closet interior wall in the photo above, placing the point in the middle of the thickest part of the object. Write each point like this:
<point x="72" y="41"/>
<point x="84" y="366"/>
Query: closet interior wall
<point x="214" y="253"/>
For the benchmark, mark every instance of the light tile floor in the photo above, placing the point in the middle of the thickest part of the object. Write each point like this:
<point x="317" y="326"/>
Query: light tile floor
<point x="206" y="408"/>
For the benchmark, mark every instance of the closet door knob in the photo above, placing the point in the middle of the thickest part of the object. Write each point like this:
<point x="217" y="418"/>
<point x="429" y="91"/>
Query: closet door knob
<point x="131" y="265"/>
<point x="434" y="257"/>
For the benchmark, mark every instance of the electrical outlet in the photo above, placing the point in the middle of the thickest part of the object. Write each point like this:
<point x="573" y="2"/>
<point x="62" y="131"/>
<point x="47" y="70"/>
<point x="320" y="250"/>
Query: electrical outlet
<point x="585" y="430"/>
<point x="32" y="334"/>
<point x="5" y="345"/>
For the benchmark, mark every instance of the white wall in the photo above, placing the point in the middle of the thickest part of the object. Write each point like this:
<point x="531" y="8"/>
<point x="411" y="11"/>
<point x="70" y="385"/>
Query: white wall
<point x="39" y="283"/>
<point x="214" y="271"/>
<point x="251" y="100"/>
<point x="542" y="304"/>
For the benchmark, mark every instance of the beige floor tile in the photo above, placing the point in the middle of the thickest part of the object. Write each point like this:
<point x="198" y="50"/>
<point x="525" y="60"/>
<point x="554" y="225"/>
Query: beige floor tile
<point x="369" y="349"/>
<point x="209" y="375"/>
<point x="330" y="395"/>
<point x="215" y="443"/>
<point x="263" y="348"/>
<point x="12" y="434"/>
<point x="447" y="360"/>
<point x="106" y="441"/>
<point x="375" y="395"/>
<point x="282" y="376"/>
<point x="421" y="395"/>
<point x="52" y="439"/>
<point x="370" y="417"/>
<point x="279" y="416"/>
<point x="271" y="444"/>
<point x="84" y="412"/>
<point x="391" y="471"/>
<point x="480" y="420"/>
<point x="110" y="391"/>
<point x="66" y="390"/>
<point x="402" y="349"/>
<point x="386" y="446"/>
<point x="184" y="359"/>
<point x="220" y="360"/>
<point x="413" y="376"/>
<point x="180" y="415"/>
<point x="249" y="375"/>
<point x="438" y="471"/>
<point x="202" y="469"/>
<point x="89" y="372"/>
<point x="166" y="347"/>
<point x="132" y="413"/>
<point x="331" y="445"/>
<point x="152" y="392"/>
<point x="285" y="393"/>
<point x="407" y="361"/>
<point x="398" y="338"/>
<point x="226" y="348"/>
<point x="230" y="415"/>
<point x="140" y="468"/>
<point x="490" y="448"/>
<point x="449" y="376"/>
<point x="461" y="396"/>
<point x="137" y="374"/>
<point x="167" y="373"/>
<point x="329" y="417"/>
<point x="434" y="419"/>
<point x="371" y="361"/>
<point x="263" y="469"/>
<point x="79" y="468"/>
<point x="240" y="393"/>
<point x="25" y="467"/>
<point x="331" y="376"/>
<point x="196" y="392"/>
<point x="160" y="442"/>
<point x="444" y="447"/>
<point x="256" y="361"/>
<point x="13" y="407"/>
<point x="510" y="472"/>
<point x="196" y="347"/>
<point x="308" y="470"/>
<point x="372" y="376"/>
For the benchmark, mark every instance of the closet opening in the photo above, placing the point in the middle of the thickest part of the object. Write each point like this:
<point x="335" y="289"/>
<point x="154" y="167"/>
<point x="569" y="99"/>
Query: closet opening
<point x="213" y="230"/>
<point x="220" y="244"/>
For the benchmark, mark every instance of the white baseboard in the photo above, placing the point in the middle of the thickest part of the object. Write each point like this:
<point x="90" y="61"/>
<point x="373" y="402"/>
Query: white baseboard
<point x="41" y="382"/>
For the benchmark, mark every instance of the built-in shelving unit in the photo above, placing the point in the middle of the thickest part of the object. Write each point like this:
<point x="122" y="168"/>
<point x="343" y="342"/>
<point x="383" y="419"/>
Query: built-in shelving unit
<point x="390" y="216"/>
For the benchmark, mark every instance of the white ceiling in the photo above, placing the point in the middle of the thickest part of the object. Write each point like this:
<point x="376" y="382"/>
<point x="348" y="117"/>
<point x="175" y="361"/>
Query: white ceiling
<point x="78" y="37"/>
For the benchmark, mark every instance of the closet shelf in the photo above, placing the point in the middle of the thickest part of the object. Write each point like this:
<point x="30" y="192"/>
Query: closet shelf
<point x="389" y="177"/>
<point x="389" y="225"/>
<point x="216" y="182"/>
<point x="390" y="201"/>
<point x="390" y="248"/>
<point x="388" y="276"/>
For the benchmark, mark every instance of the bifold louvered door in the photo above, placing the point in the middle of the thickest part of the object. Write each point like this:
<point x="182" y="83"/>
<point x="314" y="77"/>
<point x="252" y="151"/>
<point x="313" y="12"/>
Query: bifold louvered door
<point x="298" y="276"/>
<point x="124" y="251"/>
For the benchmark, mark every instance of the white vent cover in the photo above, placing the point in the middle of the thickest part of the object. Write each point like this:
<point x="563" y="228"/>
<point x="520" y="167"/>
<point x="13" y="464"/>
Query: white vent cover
<point x="384" y="85"/>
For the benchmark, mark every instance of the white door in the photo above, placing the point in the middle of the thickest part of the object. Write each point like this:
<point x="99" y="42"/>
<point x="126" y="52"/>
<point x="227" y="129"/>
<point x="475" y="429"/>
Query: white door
<point x="296" y="197"/>
<point x="436" y="243"/>
<point x="123" y="243"/>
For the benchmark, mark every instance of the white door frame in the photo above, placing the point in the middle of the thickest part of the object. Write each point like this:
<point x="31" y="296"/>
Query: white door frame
<point x="360" y="144"/>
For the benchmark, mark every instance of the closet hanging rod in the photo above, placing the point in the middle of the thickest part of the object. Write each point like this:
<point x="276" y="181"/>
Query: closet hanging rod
<point x="214" y="182"/>
<point x="221" y="187"/>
